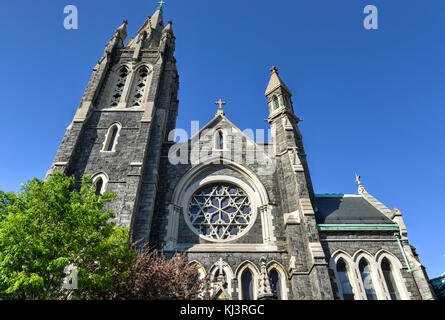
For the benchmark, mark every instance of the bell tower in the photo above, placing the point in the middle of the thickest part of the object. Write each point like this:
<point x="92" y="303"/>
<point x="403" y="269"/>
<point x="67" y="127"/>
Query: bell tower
<point x="129" y="106"/>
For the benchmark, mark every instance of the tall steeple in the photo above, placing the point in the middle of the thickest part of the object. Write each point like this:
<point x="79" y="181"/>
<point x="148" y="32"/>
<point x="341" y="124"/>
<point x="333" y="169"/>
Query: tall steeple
<point x="150" y="33"/>
<point x="157" y="19"/>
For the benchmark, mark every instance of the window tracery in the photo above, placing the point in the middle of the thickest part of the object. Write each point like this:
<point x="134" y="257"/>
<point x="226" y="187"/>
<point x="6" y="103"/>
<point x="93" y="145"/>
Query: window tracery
<point x="220" y="211"/>
<point x="119" y="87"/>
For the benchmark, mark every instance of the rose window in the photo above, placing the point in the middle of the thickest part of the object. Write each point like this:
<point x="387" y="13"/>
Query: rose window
<point x="220" y="211"/>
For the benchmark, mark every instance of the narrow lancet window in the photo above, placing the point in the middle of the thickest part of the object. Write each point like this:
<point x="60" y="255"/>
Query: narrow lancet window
<point x="366" y="274"/>
<point x="275" y="283"/>
<point x="119" y="87"/>
<point x="112" y="139"/>
<point x="346" y="287"/>
<point x="388" y="273"/>
<point x="219" y="143"/>
<point x="139" y="87"/>
<point x="276" y="104"/>
<point x="99" y="186"/>
<point x="247" y="285"/>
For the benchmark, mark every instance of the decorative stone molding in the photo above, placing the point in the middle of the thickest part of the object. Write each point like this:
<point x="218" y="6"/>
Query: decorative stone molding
<point x="317" y="252"/>
<point x="292" y="218"/>
<point x="264" y="290"/>
<point x="306" y="207"/>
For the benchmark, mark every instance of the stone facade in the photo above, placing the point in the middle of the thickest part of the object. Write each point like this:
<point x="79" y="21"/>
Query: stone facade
<point x="154" y="192"/>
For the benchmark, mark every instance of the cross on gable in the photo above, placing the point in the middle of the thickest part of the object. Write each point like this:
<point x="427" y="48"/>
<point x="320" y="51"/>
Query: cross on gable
<point x="220" y="103"/>
<point x="220" y="110"/>
<point x="161" y="3"/>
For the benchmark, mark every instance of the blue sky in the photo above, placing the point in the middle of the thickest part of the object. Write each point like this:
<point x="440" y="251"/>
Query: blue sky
<point x="372" y="101"/>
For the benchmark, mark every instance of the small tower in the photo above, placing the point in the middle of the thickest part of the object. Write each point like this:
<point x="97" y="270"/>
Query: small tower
<point x="278" y="95"/>
<point x="129" y="107"/>
<point x="297" y="195"/>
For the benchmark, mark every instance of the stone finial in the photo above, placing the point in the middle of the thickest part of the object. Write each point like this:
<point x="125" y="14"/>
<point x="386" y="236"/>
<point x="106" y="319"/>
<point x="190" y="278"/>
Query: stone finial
<point x="168" y="28"/>
<point x="265" y="291"/>
<point x="121" y="32"/>
<point x="274" y="70"/>
<point x="361" y="188"/>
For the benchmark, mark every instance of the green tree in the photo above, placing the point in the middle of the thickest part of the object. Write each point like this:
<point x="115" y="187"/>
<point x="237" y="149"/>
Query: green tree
<point x="52" y="224"/>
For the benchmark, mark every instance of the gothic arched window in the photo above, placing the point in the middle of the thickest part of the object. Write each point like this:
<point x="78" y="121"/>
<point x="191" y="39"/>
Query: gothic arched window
<point x="388" y="273"/>
<point x="366" y="274"/>
<point x="219" y="141"/>
<point x="111" y="139"/>
<point x="247" y="285"/>
<point x="100" y="181"/>
<point x="139" y="86"/>
<point x="119" y="86"/>
<point x="99" y="186"/>
<point x="346" y="287"/>
<point x="275" y="283"/>
<point x="276" y="104"/>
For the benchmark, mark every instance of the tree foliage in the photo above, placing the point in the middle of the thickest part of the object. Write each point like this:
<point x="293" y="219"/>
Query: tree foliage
<point x="52" y="224"/>
<point x="155" y="277"/>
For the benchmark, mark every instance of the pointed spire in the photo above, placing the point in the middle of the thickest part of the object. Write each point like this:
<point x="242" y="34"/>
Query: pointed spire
<point x="121" y="32"/>
<point x="168" y="28"/>
<point x="265" y="291"/>
<point x="275" y="82"/>
<point x="157" y="18"/>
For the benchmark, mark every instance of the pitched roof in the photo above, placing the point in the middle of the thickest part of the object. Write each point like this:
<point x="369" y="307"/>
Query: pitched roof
<point x="275" y="82"/>
<point x="341" y="209"/>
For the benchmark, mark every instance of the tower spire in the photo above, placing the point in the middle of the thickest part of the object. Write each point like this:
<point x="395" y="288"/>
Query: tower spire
<point x="157" y="18"/>
<point x="275" y="82"/>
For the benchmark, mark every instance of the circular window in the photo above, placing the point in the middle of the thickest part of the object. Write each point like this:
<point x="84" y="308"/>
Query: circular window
<point x="220" y="211"/>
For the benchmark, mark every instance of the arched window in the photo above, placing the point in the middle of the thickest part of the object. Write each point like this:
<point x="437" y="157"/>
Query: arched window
<point x="119" y="86"/>
<point x="99" y="186"/>
<point x="346" y="287"/>
<point x="276" y="104"/>
<point x="286" y="101"/>
<point x="100" y="181"/>
<point x="388" y="273"/>
<point x="275" y="283"/>
<point x="139" y="87"/>
<point x="247" y="285"/>
<point x="219" y="141"/>
<point x="366" y="274"/>
<point x="110" y="141"/>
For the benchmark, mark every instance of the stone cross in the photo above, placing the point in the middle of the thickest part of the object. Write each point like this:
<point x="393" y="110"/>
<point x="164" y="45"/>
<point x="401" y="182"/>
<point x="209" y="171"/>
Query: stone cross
<point x="220" y="103"/>
<point x="220" y="109"/>
<point x="161" y="3"/>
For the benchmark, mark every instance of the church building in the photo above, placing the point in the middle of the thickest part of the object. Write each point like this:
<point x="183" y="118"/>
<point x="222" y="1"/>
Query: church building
<point x="244" y="211"/>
